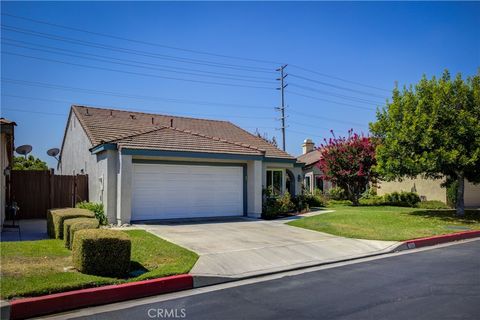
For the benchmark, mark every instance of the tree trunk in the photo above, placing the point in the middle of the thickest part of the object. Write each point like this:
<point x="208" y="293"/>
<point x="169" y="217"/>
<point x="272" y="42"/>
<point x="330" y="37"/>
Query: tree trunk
<point x="460" y="194"/>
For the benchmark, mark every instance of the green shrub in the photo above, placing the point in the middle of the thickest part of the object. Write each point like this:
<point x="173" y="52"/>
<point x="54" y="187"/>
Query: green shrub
<point x="102" y="252"/>
<point x="80" y="223"/>
<point x="401" y="199"/>
<point x="372" y="201"/>
<point x="432" y="204"/>
<point x="274" y="206"/>
<point x="370" y="193"/>
<point x="96" y="208"/>
<point x="334" y="203"/>
<point x="56" y="217"/>
<point x="286" y="203"/>
<point x="337" y="193"/>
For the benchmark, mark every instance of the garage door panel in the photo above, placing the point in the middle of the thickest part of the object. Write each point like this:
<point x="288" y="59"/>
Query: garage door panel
<point x="166" y="191"/>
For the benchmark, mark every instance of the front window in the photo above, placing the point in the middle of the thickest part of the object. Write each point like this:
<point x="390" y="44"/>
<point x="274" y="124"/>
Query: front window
<point x="308" y="183"/>
<point x="275" y="181"/>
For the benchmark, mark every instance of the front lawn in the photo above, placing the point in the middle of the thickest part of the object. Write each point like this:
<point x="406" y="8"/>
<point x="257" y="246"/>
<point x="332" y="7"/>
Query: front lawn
<point x="31" y="268"/>
<point x="389" y="223"/>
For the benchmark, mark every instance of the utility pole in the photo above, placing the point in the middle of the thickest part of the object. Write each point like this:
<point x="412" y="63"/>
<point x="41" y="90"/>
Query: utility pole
<point x="283" y="85"/>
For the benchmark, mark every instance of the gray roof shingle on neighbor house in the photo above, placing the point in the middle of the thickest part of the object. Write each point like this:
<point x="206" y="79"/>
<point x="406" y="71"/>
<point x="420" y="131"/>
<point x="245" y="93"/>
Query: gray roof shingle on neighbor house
<point x="137" y="130"/>
<point x="310" y="158"/>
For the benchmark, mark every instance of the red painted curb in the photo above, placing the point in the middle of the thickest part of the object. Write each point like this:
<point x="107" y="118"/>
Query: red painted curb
<point x="430" y="241"/>
<point x="58" y="302"/>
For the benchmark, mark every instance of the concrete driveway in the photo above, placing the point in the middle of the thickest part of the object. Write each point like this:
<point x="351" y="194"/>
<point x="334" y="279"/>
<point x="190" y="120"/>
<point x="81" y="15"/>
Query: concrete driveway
<point x="241" y="247"/>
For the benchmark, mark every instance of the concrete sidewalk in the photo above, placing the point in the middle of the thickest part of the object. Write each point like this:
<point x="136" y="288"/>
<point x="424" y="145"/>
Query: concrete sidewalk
<point x="239" y="248"/>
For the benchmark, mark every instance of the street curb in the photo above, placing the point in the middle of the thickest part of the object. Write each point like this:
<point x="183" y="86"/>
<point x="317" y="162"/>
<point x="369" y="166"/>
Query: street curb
<point x="59" y="302"/>
<point x="430" y="241"/>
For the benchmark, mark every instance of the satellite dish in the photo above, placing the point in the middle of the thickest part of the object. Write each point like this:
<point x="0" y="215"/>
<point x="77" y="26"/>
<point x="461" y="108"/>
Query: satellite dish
<point x="24" y="150"/>
<point x="53" y="152"/>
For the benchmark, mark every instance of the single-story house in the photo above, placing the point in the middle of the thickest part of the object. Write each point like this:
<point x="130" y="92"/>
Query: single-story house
<point x="427" y="189"/>
<point x="144" y="166"/>
<point x="7" y="129"/>
<point x="312" y="174"/>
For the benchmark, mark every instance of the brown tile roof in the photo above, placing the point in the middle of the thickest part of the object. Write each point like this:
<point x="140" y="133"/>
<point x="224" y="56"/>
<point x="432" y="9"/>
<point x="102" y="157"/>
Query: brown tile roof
<point x="6" y="121"/>
<point x="310" y="157"/>
<point x="136" y="130"/>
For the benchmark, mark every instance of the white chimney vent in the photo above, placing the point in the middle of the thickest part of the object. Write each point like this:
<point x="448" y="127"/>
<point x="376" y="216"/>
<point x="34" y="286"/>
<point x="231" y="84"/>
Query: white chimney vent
<point x="308" y="146"/>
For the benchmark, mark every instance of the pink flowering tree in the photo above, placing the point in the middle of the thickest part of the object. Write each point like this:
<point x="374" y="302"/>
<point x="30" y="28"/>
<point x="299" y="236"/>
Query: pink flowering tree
<point x="348" y="163"/>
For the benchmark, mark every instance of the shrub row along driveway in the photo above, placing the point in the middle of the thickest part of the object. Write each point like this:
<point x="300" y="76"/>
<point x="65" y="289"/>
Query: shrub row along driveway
<point x="32" y="268"/>
<point x="244" y="247"/>
<point x="390" y="223"/>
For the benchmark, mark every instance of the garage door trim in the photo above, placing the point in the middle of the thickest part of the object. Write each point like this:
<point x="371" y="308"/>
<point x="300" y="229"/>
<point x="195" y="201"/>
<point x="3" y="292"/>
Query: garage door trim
<point x="205" y="163"/>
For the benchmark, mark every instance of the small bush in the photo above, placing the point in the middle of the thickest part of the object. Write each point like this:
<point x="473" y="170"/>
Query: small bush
<point x="274" y="206"/>
<point x="337" y="193"/>
<point x="372" y="201"/>
<point x="334" y="203"/>
<point x="401" y="199"/>
<point x="432" y="204"/>
<point x="102" y="252"/>
<point x="56" y="217"/>
<point x="96" y="208"/>
<point x="80" y="223"/>
<point x="370" y="193"/>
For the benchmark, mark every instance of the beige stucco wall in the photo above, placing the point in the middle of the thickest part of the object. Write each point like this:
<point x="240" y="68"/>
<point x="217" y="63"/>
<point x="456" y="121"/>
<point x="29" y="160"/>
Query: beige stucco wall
<point x="429" y="188"/>
<point x="472" y="194"/>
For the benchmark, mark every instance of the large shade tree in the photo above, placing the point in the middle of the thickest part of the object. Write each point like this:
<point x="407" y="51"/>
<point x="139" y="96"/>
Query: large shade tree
<point x="348" y="163"/>
<point x="432" y="130"/>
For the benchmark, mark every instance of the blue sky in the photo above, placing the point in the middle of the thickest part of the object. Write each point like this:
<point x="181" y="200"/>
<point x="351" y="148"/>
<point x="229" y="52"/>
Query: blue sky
<point x="356" y="52"/>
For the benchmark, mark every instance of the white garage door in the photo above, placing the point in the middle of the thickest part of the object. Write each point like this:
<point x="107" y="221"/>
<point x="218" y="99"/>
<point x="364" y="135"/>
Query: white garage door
<point x="171" y="191"/>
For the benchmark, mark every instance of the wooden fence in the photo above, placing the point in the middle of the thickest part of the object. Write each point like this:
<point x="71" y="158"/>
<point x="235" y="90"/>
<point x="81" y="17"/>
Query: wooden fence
<point x="37" y="191"/>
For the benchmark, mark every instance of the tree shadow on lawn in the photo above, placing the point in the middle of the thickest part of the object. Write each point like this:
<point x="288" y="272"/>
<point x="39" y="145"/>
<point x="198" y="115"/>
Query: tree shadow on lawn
<point x="470" y="217"/>
<point x="136" y="270"/>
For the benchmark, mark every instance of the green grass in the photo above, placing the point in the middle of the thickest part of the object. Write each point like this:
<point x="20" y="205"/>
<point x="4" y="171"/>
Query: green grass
<point x="389" y="223"/>
<point x="31" y="268"/>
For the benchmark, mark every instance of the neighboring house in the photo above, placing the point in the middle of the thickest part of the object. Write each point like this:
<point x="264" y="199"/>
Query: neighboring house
<point x="312" y="175"/>
<point x="430" y="189"/>
<point x="6" y="161"/>
<point x="148" y="166"/>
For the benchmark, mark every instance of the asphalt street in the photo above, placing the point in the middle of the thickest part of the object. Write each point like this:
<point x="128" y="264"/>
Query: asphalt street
<point x="443" y="283"/>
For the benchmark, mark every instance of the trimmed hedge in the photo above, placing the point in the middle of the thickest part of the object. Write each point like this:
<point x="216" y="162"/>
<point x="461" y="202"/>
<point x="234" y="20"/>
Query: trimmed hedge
<point x="102" y="252"/>
<point x="56" y="217"/>
<point x="432" y="204"/>
<point x="80" y="224"/>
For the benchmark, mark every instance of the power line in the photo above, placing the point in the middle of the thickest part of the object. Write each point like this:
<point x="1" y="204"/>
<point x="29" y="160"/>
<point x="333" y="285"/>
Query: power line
<point x="136" y="40"/>
<point x="133" y="51"/>
<point x="351" y="98"/>
<point x="69" y="102"/>
<point x="336" y="86"/>
<point x="134" y="64"/>
<point x="338" y="78"/>
<point x="330" y="101"/>
<point x="140" y="110"/>
<point x="125" y="95"/>
<point x="36" y="46"/>
<point x="135" y="73"/>
<point x="308" y="115"/>
<point x="150" y="98"/>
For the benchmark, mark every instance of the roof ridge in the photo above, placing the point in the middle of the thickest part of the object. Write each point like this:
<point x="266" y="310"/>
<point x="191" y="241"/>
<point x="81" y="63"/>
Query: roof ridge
<point x="137" y="133"/>
<point x="261" y="139"/>
<point x="218" y="139"/>
<point x="147" y="113"/>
